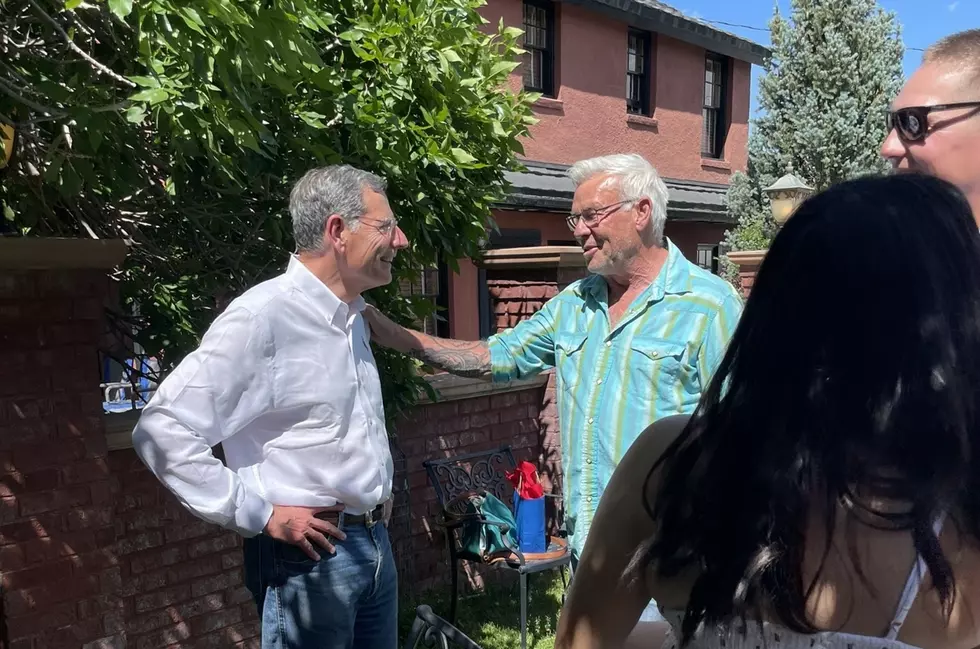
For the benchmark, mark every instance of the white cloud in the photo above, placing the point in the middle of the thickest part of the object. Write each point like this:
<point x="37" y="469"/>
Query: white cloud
<point x="953" y="5"/>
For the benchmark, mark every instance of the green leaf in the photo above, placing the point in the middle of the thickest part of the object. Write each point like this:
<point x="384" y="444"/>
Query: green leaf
<point x="72" y="4"/>
<point x="8" y="212"/>
<point x="135" y="114"/>
<point x="451" y="56"/>
<point x="462" y="156"/>
<point x="121" y="8"/>
<point x="350" y="35"/>
<point x="503" y="66"/>
<point x="151" y="95"/>
<point x="145" y="82"/>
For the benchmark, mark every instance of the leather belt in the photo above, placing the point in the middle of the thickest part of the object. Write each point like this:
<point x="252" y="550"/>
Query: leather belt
<point x="342" y="519"/>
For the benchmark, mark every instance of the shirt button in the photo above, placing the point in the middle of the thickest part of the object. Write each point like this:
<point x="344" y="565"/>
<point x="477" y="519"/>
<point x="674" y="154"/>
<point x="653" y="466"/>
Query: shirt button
<point x="608" y="343"/>
<point x="588" y="499"/>
<point x="591" y="420"/>
<point x="598" y="381"/>
<point x="588" y="460"/>
<point x="654" y="354"/>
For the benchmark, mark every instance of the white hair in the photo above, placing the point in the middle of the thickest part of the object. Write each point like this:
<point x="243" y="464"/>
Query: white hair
<point x="637" y="179"/>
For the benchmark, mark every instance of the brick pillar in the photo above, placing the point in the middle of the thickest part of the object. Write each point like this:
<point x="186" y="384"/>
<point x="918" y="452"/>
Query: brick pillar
<point x="748" y="262"/>
<point x="59" y="573"/>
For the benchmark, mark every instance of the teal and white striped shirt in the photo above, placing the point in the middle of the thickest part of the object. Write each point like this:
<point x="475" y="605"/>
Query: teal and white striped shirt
<point x="614" y="382"/>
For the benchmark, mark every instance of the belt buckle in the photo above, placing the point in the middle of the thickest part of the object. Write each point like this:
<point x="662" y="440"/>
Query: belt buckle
<point x="369" y="521"/>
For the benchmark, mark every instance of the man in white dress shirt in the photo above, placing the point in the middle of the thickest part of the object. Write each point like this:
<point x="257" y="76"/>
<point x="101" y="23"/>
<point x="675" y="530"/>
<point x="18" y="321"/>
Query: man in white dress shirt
<point x="285" y="380"/>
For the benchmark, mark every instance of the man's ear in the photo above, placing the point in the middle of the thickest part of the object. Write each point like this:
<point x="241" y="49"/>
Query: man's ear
<point x="644" y="212"/>
<point x="335" y="231"/>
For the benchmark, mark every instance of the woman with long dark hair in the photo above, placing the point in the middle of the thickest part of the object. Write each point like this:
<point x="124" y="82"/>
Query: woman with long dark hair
<point x="826" y="492"/>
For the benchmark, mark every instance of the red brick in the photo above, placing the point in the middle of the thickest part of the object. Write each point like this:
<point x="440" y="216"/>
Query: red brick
<point x="61" y="545"/>
<point x="162" y="598"/>
<point x="210" y="546"/>
<point x="139" y="542"/>
<point x="443" y="442"/>
<point x="190" y="530"/>
<point x="484" y="419"/>
<point x="216" y="620"/>
<point x="37" y="456"/>
<point x="146" y="622"/>
<point x="453" y="425"/>
<point x="215" y="583"/>
<point x="504" y="401"/>
<point x="48" y="573"/>
<point x="207" y="604"/>
<point x="154" y="559"/>
<point x="22" y="643"/>
<point x="478" y="404"/>
<point x="53" y="616"/>
<point x="86" y="471"/>
<point x="239" y="595"/>
<point x="84" y="518"/>
<point x="170" y="635"/>
<point x="37" y="503"/>
<point x="442" y="410"/>
<point x="232" y="560"/>
<point x="30" y="529"/>
<point x="193" y="569"/>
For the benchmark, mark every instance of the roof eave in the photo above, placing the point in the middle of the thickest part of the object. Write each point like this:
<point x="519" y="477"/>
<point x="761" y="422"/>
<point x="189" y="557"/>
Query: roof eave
<point x="644" y="16"/>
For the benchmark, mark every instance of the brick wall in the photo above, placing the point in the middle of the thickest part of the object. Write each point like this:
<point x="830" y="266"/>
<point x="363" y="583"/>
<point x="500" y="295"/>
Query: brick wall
<point x="94" y="553"/>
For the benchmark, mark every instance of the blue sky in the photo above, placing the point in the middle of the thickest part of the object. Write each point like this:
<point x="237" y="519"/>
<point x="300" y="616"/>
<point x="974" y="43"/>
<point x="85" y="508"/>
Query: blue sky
<point x="923" y="22"/>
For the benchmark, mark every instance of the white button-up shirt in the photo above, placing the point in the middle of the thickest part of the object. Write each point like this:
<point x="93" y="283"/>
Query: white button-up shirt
<point x="286" y="381"/>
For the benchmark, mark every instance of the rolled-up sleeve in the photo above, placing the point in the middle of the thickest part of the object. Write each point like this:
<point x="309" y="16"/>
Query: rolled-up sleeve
<point x="526" y="349"/>
<point x="212" y="393"/>
<point x="716" y="337"/>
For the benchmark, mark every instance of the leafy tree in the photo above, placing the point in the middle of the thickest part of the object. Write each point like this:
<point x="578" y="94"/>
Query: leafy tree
<point x="180" y="125"/>
<point x="835" y="67"/>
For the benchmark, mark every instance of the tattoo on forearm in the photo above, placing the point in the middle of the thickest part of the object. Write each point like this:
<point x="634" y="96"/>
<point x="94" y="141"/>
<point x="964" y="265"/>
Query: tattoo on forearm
<point x="460" y="357"/>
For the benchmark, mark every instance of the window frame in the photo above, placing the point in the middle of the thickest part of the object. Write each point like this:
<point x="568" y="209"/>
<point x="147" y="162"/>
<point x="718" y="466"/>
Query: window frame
<point x="713" y="147"/>
<point x="547" y="87"/>
<point x="646" y="39"/>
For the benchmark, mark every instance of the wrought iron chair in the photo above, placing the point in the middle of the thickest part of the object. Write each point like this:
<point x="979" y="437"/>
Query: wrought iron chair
<point x="453" y="477"/>
<point x="433" y="631"/>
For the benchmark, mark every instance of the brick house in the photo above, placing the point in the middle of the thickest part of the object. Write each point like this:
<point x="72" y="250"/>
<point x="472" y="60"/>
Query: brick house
<point x="616" y="76"/>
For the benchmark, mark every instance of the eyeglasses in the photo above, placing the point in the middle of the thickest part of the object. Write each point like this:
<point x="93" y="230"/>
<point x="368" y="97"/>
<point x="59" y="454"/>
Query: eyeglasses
<point x="590" y="216"/>
<point x="386" y="227"/>
<point x="912" y="123"/>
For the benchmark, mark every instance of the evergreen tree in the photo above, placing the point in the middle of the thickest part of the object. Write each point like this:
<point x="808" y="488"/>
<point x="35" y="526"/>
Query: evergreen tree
<point x="835" y="67"/>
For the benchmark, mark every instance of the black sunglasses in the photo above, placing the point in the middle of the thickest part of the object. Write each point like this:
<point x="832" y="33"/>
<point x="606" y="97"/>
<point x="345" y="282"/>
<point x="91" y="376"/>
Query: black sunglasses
<point x="912" y="123"/>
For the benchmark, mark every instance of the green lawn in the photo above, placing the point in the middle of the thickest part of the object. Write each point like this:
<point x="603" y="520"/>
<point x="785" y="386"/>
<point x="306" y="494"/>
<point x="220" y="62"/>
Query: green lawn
<point x="492" y="618"/>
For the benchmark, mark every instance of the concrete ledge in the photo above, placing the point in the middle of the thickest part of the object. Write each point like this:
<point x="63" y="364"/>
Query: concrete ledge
<point x="533" y="257"/>
<point x="119" y="429"/>
<point x="119" y="426"/>
<point x="37" y="253"/>
<point x="747" y="259"/>
<point x="453" y="388"/>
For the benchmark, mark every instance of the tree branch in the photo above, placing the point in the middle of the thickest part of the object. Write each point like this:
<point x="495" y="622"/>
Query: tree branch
<point x="47" y="110"/>
<point x="99" y="67"/>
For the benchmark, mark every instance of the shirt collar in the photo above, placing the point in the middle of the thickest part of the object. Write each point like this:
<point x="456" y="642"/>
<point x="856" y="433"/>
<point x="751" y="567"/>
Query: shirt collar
<point x="673" y="279"/>
<point x="327" y="303"/>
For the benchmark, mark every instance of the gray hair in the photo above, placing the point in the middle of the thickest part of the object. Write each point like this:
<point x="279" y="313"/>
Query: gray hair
<point x="637" y="179"/>
<point x="324" y="191"/>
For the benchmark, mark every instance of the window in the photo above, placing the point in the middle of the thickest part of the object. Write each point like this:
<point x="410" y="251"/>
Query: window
<point x="638" y="73"/>
<point x="539" y="41"/>
<point x="708" y="256"/>
<point x="427" y="285"/>
<point x="713" y="112"/>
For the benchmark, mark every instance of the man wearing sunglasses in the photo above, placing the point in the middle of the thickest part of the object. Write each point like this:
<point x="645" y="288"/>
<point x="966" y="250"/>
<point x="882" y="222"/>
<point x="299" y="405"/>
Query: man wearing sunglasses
<point x="934" y="123"/>
<point x="636" y="341"/>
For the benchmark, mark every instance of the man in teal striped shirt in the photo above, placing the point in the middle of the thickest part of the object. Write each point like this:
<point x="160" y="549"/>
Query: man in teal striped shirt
<point x="635" y="341"/>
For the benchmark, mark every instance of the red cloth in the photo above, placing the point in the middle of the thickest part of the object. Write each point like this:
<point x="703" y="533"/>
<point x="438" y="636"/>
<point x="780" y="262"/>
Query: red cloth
<point x="525" y="481"/>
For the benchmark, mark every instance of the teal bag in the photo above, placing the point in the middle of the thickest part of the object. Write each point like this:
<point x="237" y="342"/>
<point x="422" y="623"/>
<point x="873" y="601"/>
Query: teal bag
<point x="488" y="528"/>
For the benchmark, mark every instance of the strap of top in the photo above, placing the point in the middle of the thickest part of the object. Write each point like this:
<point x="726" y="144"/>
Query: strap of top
<point x="911" y="587"/>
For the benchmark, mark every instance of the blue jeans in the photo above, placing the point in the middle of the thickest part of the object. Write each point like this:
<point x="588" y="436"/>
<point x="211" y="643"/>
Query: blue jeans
<point x="347" y="600"/>
<point x="650" y="614"/>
